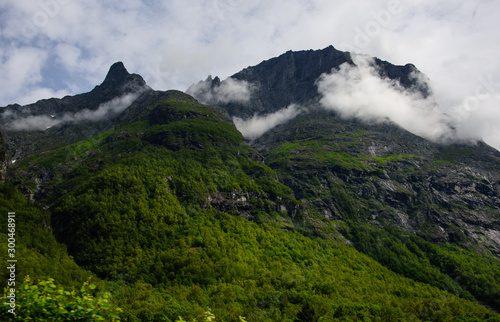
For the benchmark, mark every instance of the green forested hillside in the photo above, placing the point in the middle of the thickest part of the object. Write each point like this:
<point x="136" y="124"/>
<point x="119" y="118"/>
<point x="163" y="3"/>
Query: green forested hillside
<point x="174" y="215"/>
<point x="393" y="205"/>
<point x="38" y="252"/>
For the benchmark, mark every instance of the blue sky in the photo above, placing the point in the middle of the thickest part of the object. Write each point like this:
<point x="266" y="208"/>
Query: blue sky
<point x="52" y="48"/>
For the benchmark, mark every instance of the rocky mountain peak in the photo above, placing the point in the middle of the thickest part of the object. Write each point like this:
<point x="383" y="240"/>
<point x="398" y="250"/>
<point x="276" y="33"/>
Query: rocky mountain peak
<point x="119" y="80"/>
<point x="117" y="71"/>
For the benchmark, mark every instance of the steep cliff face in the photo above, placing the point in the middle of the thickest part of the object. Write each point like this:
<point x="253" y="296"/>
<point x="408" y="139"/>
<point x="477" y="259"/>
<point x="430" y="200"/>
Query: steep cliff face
<point x="386" y="176"/>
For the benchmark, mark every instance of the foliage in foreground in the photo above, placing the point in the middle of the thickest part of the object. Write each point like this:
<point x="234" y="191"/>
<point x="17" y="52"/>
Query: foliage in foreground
<point x="44" y="301"/>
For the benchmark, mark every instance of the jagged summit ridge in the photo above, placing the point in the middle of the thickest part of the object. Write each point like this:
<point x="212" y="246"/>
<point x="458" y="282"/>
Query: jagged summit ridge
<point x="119" y="81"/>
<point x="291" y="78"/>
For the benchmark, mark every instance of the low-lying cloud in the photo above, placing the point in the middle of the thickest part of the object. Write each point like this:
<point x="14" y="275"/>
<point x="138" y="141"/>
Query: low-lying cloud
<point x="479" y="121"/>
<point x="228" y="91"/>
<point x="42" y="122"/>
<point x="256" y="126"/>
<point x="359" y="92"/>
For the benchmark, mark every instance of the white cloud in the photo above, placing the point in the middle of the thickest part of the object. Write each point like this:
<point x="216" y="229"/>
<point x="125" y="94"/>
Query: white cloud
<point x="21" y="68"/>
<point x="33" y="123"/>
<point x="256" y="126"/>
<point x="477" y="117"/>
<point x="359" y="92"/>
<point x="233" y="90"/>
<point x="228" y="91"/>
<point x="43" y="122"/>
<point x="68" y="55"/>
<point x="108" y="109"/>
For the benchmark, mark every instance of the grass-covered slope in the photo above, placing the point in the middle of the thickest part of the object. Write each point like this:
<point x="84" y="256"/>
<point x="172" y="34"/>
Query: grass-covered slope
<point x="177" y="215"/>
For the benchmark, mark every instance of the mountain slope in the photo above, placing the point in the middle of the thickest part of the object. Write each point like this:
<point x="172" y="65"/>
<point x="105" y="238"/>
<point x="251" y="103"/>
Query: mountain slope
<point x="54" y="122"/>
<point x="173" y="211"/>
<point x="443" y="191"/>
<point x="378" y="176"/>
<point x="371" y="173"/>
<point x="391" y="177"/>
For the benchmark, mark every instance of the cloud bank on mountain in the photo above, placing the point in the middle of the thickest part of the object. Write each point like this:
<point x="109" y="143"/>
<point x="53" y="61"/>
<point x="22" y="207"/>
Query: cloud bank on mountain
<point x="42" y="122"/>
<point x="256" y="126"/>
<point x="358" y="91"/>
<point x="216" y="92"/>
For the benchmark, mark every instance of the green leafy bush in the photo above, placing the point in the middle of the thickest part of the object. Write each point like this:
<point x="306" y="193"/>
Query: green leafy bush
<point x="44" y="301"/>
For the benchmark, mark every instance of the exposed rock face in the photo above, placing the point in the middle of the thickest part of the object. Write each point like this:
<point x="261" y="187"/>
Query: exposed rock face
<point x="291" y="79"/>
<point x="386" y="176"/>
<point x="235" y="201"/>
<point x="118" y="81"/>
<point x="243" y="203"/>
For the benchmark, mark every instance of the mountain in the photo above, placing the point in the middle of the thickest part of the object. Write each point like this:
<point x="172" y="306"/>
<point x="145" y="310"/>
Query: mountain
<point x="18" y="120"/>
<point x="162" y="201"/>
<point x="291" y="79"/>
<point x="387" y="175"/>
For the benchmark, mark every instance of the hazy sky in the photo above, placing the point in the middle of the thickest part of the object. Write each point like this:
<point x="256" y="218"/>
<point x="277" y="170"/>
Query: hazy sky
<point x="57" y="47"/>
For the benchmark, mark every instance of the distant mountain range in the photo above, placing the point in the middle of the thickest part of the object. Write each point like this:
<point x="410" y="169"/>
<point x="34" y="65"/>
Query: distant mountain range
<point x="318" y="195"/>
